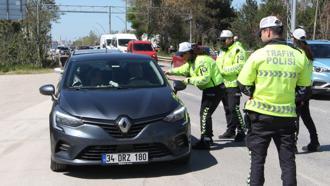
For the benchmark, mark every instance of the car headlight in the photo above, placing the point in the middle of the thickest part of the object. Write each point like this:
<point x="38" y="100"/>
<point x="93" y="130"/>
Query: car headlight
<point x="320" y="69"/>
<point x="63" y="119"/>
<point x="176" y="115"/>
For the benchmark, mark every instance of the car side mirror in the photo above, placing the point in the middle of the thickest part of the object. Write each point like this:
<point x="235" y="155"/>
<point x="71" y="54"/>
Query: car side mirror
<point x="178" y="85"/>
<point x="47" y="90"/>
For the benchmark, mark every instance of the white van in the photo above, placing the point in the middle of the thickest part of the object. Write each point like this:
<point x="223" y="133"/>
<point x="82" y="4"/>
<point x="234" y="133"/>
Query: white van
<point x="106" y="40"/>
<point x="120" y="41"/>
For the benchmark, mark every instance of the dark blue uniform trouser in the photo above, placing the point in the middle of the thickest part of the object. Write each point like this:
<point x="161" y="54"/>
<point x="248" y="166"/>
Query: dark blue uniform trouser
<point x="304" y="113"/>
<point x="210" y="101"/>
<point x="231" y="102"/>
<point x="282" y="130"/>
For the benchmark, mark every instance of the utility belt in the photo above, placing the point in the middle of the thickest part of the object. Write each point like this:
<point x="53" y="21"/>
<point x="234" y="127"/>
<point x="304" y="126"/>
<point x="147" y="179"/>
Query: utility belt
<point x="214" y="91"/>
<point x="251" y="117"/>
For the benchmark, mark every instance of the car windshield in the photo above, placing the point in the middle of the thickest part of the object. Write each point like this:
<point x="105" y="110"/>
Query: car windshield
<point x="63" y="48"/>
<point x="123" y="42"/>
<point x="113" y="74"/>
<point x="320" y="50"/>
<point x="142" y="47"/>
<point x="109" y="42"/>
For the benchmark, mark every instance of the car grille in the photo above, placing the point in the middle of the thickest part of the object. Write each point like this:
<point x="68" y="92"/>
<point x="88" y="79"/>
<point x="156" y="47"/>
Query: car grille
<point x="155" y="150"/>
<point x="112" y="128"/>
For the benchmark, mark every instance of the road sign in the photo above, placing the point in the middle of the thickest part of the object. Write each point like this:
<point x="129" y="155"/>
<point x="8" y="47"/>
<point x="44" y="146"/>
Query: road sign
<point x="12" y="9"/>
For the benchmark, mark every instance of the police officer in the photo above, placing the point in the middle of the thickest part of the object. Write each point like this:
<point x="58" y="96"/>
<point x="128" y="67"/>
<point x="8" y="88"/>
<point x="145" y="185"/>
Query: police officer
<point x="230" y="62"/>
<point x="271" y="77"/>
<point x="201" y="71"/>
<point x="299" y="36"/>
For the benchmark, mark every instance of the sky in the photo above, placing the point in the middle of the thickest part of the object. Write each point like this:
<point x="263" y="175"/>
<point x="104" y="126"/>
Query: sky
<point x="72" y="26"/>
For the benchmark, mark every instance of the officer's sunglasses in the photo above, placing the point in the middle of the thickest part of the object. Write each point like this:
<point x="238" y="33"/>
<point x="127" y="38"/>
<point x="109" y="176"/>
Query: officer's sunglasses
<point x="222" y="40"/>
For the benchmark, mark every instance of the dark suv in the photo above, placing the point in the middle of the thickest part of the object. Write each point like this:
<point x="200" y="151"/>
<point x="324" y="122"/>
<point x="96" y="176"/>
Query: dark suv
<point x="116" y="109"/>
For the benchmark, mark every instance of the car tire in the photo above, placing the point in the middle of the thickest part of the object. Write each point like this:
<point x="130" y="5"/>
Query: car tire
<point x="57" y="167"/>
<point x="183" y="160"/>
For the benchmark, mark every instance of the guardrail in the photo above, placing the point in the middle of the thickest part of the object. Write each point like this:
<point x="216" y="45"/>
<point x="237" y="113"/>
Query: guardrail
<point x="165" y="59"/>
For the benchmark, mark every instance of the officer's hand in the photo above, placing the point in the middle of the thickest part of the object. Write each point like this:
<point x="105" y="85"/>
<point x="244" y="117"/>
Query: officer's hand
<point x="167" y="72"/>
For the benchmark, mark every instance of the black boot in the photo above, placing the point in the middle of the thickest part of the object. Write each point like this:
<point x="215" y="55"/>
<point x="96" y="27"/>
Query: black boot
<point x="311" y="147"/>
<point x="227" y="134"/>
<point x="240" y="136"/>
<point x="203" y="144"/>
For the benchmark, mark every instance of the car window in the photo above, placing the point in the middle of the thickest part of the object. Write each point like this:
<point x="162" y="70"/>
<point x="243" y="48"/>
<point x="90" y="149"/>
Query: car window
<point x="123" y="42"/>
<point x="320" y="50"/>
<point x="109" y="42"/>
<point x="63" y="48"/>
<point x="113" y="74"/>
<point x="142" y="47"/>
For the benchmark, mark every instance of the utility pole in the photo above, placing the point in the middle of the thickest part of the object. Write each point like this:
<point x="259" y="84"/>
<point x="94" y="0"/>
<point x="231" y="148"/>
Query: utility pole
<point x="293" y="15"/>
<point x="126" y="16"/>
<point x="7" y="9"/>
<point x="190" y="26"/>
<point x="109" y="19"/>
<point x="315" y="18"/>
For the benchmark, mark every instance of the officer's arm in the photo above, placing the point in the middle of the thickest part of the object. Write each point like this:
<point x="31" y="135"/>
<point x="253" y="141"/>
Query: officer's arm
<point x="204" y="75"/>
<point x="247" y="76"/>
<point x="219" y="63"/>
<point x="303" y="89"/>
<point x="303" y="93"/>
<point x="238" y="63"/>
<point x="246" y="89"/>
<point x="181" y="71"/>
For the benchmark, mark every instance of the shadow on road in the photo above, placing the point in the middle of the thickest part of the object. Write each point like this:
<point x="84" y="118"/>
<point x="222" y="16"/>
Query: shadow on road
<point x="200" y="159"/>
<point x="323" y="148"/>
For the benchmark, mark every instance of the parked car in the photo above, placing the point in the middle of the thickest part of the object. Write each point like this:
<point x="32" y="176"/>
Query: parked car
<point x="321" y="67"/>
<point x="177" y="60"/>
<point x="116" y="109"/>
<point x="121" y="40"/>
<point x="142" y="47"/>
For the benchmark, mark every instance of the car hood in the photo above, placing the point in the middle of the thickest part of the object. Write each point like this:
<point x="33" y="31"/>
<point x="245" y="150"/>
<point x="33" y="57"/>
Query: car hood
<point x="322" y="62"/>
<point x="109" y="104"/>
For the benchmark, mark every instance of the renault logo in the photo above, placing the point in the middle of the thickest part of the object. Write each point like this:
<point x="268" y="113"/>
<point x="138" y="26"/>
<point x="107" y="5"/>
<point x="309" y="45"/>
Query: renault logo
<point x="124" y="124"/>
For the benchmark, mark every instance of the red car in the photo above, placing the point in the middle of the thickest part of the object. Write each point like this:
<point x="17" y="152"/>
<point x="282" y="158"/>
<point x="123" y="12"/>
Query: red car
<point x="178" y="61"/>
<point x="142" y="47"/>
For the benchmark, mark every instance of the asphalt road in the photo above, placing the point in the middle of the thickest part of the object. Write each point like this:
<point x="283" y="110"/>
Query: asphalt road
<point x="25" y="150"/>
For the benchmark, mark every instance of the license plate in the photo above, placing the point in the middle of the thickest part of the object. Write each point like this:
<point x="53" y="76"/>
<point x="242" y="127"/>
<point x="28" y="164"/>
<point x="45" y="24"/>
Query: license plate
<point x="125" y="158"/>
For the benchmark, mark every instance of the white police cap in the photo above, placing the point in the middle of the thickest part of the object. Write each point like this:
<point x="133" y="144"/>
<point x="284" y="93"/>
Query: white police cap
<point x="299" y="34"/>
<point x="226" y="34"/>
<point x="270" y="21"/>
<point x="185" y="47"/>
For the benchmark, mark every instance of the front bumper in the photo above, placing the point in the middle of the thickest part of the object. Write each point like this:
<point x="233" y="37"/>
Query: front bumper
<point x="321" y="89"/>
<point x="84" y="145"/>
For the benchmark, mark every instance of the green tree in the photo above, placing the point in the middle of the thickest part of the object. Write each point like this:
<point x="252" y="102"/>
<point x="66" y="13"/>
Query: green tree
<point x="25" y="42"/>
<point x="246" y="24"/>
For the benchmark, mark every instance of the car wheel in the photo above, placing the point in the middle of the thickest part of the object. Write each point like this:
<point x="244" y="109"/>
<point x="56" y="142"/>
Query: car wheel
<point x="57" y="167"/>
<point x="183" y="160"/>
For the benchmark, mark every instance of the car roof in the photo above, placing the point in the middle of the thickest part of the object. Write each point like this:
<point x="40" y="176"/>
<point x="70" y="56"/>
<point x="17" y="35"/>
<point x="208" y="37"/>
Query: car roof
<point x="318" y="41"/>
<point x="93" y="51"/>
<point x="313" y="41"/>
<point x="140" y="42"/>
<point x="113" y="56"/>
